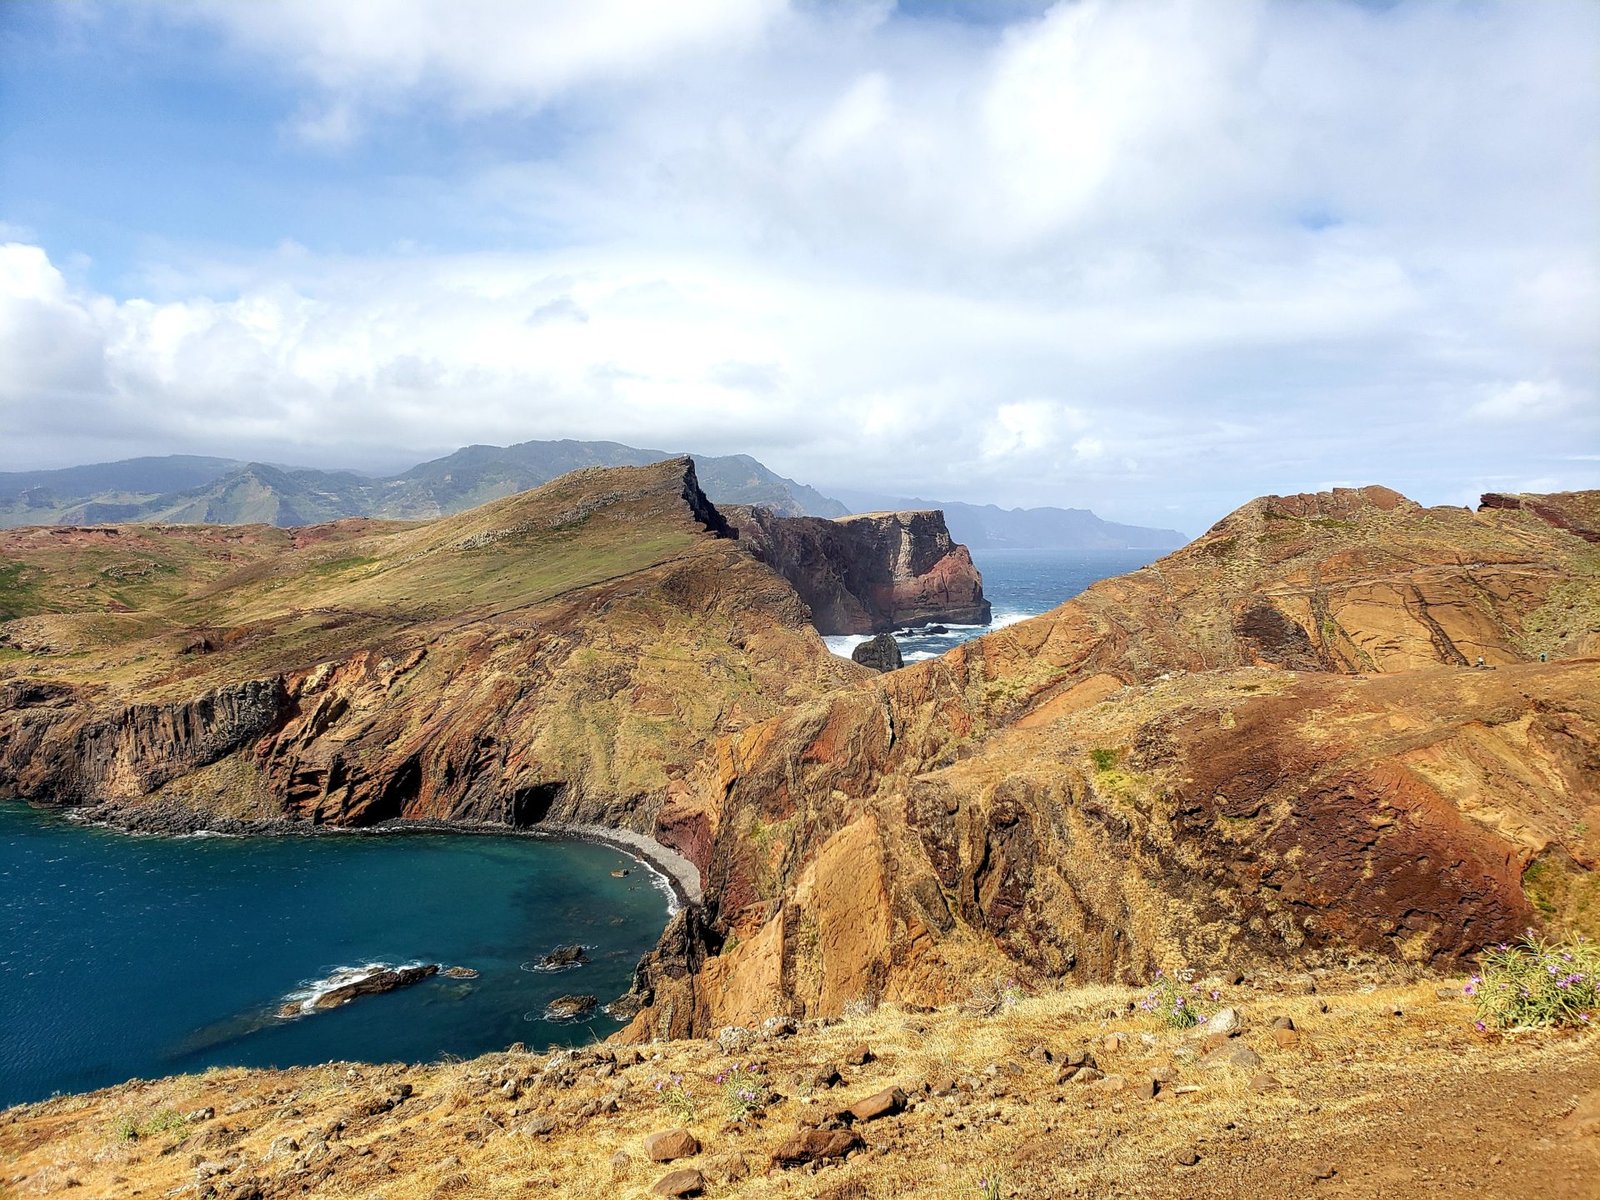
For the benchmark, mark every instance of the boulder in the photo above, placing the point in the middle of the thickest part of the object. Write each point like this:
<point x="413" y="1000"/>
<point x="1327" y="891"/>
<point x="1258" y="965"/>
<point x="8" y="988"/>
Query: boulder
<point x="1234" y="1054"/>
<point x="687" y="1182"/>
<point x="886" y="1103"/>
<point x="564" y="956"/>
<point x="816" y="1145"/>
<point x="882" y="653"/>
<point x="670" y="1144"/>
<point x="1224" y="1020"/>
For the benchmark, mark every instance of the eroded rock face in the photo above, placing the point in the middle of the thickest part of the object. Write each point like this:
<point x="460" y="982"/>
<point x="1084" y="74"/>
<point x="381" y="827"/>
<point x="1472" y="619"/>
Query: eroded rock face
<point x="870" y="573"/>
<point x="1174" y="768"/>
<point x="1266" y="746"/>
<point x="561" y="655"/>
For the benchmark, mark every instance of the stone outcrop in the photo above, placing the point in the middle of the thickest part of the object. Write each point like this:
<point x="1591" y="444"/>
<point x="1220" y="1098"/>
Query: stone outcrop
<point x="1575" y="512"/>
<point x="388" y="980"/>
<point x="870" y="573"/>
<point x="881" y="653"/>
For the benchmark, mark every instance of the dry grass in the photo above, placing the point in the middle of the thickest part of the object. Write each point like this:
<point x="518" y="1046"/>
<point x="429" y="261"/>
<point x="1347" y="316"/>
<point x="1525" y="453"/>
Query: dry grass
<point x="457" y="1135"/>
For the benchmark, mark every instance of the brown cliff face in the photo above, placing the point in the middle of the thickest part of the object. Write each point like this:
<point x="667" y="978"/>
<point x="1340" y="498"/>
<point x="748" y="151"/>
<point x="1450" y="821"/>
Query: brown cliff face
<point x="869" y="573"/>
<point x="561" y="655"/>
<point x="1266" y="745"/>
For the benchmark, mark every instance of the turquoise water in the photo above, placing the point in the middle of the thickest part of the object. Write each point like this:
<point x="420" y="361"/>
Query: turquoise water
<point x="145" y="956"/>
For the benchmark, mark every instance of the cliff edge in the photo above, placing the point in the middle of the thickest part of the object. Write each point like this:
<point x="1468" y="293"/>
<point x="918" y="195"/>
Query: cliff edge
<point x="869" y="573"/>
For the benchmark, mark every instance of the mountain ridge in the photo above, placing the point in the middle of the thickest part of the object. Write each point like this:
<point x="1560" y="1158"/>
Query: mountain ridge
<point x="186" y="489"/>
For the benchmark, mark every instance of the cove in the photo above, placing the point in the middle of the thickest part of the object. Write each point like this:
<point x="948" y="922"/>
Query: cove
<point x="139" y="956"/>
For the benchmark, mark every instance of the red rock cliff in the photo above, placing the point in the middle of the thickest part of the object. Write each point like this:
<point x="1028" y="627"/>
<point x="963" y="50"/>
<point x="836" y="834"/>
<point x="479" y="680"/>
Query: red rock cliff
<point x="869" y="573"/>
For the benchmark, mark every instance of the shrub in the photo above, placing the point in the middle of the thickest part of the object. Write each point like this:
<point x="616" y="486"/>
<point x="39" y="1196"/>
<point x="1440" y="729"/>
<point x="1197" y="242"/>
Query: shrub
<point x="1175" y="999"/>
<point x="165" y="1120"/>
<point x="1103" y="759"/>
<point x="1537" y="984"/>
<point x="744" y="1090"/>
<point x="991" y="997"/>
<point x="675" y="1098"/>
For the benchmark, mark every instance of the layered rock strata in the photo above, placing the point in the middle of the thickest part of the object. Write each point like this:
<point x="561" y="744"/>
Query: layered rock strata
<point x="1271" y="744"/>
<point x="560" y="656"/>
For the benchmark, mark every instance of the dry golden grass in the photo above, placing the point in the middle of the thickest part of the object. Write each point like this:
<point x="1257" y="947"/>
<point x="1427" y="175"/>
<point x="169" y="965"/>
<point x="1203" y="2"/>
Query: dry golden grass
<point x="1358" y="1082"/>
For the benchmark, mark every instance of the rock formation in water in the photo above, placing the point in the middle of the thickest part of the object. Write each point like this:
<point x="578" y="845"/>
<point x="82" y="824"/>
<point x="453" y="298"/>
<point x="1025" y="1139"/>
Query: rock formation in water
<point x="871" y="573"/>
<point x="881" y="653"/>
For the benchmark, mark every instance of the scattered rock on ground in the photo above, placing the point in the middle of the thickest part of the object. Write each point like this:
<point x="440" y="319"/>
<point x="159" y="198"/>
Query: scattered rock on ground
<point x="816" y="1145"/>
<point x="669" y="1144"/>
<point x="687" y="1182"/>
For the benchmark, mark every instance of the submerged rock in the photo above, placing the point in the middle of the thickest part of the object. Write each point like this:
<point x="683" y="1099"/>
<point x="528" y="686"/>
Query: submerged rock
<point x="564" y="956"/>
<point x="569" y="1008"/>
<point x="375" y="984"/>
<point x="882" y="653"/>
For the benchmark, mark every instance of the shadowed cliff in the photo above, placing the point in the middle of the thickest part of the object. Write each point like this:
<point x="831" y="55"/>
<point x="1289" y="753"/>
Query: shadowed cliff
<point x="870" y="573"/>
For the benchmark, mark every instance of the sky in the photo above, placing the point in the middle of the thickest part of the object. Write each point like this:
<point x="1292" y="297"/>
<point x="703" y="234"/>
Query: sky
<point x="1149" y="257"/>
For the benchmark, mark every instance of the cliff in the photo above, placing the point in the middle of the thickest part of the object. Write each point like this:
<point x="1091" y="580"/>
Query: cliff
<point x="869" y="573"/>
<point x="561" y="655"/>
<point x="1271" y="744"/>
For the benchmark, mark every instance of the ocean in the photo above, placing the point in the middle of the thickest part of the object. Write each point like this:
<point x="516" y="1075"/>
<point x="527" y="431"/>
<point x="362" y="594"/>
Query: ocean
<point x="144" y="956"/>
<point x="1019" y="584"/>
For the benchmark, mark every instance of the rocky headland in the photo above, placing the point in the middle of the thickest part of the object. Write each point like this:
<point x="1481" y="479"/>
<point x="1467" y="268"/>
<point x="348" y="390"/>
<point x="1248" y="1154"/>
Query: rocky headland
<point x="869" y="573"/>
<point x="1336" y="729"/>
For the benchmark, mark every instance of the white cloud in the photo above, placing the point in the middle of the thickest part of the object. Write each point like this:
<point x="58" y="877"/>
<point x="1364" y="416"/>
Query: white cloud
<point x="1525" y="400"/>
<point x="1118" y="253"/>
<point x="483" y="54"/>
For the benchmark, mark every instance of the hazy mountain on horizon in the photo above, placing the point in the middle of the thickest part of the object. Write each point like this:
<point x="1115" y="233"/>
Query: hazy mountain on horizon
<point x="184" y="489"/>
<point x="191" y="489"/>
<point x="990" y="527"/>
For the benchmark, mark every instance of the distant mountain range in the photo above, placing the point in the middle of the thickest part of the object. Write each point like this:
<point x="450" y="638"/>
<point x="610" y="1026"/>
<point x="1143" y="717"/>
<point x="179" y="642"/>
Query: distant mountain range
<point x="188" y="490"/>
<point x="183" y="489"/>
<point x="989" y="527"/>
